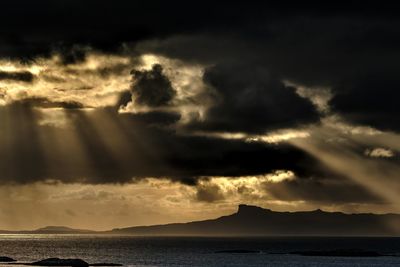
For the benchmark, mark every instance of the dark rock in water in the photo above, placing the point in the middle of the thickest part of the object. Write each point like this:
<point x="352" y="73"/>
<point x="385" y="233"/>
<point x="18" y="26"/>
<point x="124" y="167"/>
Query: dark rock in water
<point x="238" y="251"/>
<point x="105" y="264"/>
<point x="6" y="259"/>
<point x="60" y="262"/>
<point x="339" y="253"/>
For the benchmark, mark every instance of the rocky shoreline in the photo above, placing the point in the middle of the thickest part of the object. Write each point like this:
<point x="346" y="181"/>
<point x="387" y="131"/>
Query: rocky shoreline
<point x="6" y="259"/>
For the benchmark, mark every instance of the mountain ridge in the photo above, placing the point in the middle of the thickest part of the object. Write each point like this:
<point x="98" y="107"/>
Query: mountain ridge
<point x="50" y="230"/>
<point x="252" y="220"/>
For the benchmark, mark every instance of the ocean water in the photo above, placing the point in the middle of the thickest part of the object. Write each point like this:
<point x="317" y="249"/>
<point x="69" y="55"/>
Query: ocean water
<point x="196" y="251"/>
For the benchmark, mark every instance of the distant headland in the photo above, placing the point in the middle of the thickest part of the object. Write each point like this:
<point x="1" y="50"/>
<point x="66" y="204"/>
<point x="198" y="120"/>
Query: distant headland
<point x="256" y="221"/>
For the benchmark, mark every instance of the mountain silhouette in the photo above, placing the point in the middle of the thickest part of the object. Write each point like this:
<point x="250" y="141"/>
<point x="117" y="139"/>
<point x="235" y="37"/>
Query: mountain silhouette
<point x="61" y="229"/>
<point x="256" y="221"/>
<point x="51" y="230"/>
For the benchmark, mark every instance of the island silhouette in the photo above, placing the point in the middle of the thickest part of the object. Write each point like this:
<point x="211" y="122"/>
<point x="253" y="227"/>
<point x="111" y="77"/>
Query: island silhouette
<point x="255" y="221"/>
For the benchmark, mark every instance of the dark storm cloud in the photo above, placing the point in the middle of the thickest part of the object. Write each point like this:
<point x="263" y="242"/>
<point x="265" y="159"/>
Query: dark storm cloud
<point x="357" y="58"/>
<point x="151" y="87"/>
<point x="22" y="76"/>
<point x="71" y="55"/>
<point x="331" y="189"/>
<point x="102" y="147"/>
<point x="372" y="101"/>
<point x="123" y="147"/>
<point x="123" y="99"/>
<point x="252" y="99"/>
<point x="354" y="55"/>
<point x="37" y="27"/>
<point x="351" y="48"/>
<point x="209" y="193"/>
<point x="42" y="102"/>
<point x="250" y="48"/>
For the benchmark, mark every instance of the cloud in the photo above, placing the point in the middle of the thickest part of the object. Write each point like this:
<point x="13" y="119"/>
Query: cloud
<point x="355" y="57"/>
<point x="97" y="80"/>
<point x="285" y="186"/>
<point x="42" y="102"/>
<point x="250" y="99"/>
<point x="130" y="22"/>
<point x="103" y="146"/>
<point x="72" y="55"/>
<point x="379" y="153"/>
<point x="330" y="190"/>
<point x="341" y="156"/>
<point x="210" y="193"/>
<point x="152" y="87"/>
<point x="21" y="76"/>
<point x="236" y="94"/>
<point x="370" y="101"/>
<point x="297" y="45"/>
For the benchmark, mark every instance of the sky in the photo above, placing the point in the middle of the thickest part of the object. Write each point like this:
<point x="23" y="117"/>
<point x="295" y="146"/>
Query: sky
<point x="123" y="113"/>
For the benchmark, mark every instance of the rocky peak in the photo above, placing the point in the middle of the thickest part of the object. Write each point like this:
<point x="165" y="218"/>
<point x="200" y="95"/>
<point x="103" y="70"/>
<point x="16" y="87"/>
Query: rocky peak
<point x="248" y="209"/>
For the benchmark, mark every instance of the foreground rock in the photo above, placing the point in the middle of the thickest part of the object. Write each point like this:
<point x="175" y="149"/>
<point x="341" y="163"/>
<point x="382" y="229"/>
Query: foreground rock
<point x="339" y="253"/>
<point x="238" y="251"/>
<point x="6" y="259"/>
<point x="60" y="262"/>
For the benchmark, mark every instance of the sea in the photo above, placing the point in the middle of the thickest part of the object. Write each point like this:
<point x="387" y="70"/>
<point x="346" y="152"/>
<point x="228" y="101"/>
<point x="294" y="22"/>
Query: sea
<point x="198" y="251"/>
